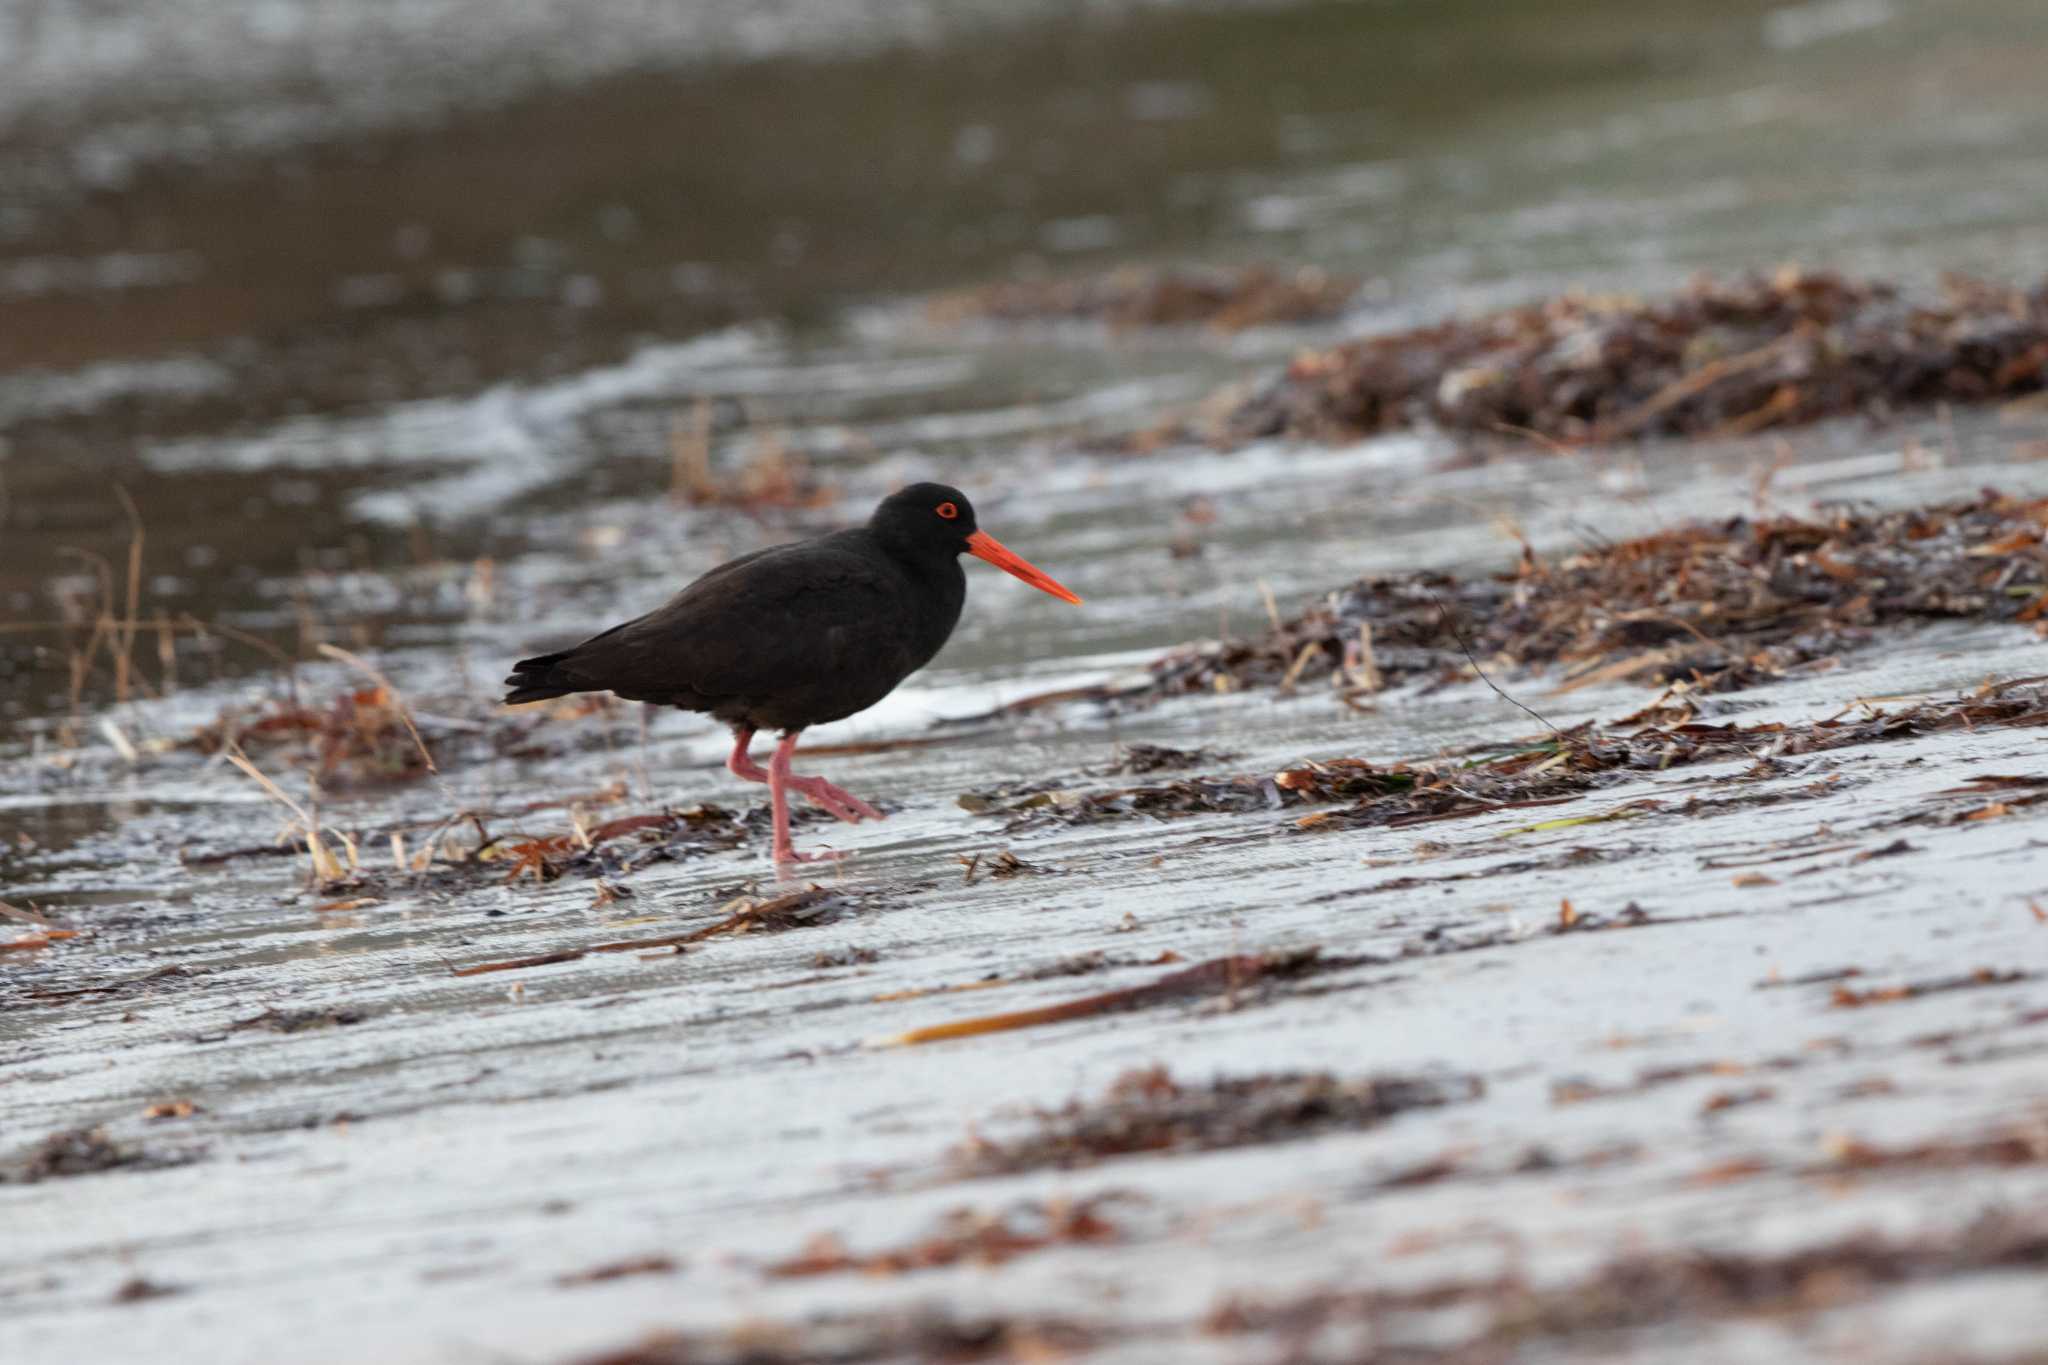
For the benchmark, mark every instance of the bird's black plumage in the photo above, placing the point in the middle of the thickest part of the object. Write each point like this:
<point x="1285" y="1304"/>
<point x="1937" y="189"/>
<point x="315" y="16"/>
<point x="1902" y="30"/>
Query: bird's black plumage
<point x="791" y="636"/>
<point x="794" y="636"/>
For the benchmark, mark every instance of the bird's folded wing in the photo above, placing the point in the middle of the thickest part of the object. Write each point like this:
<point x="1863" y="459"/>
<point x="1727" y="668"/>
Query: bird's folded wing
<point x="751" y="629"/>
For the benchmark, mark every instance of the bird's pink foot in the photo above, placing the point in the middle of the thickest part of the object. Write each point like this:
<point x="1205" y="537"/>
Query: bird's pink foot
<point x="835" y="800"/>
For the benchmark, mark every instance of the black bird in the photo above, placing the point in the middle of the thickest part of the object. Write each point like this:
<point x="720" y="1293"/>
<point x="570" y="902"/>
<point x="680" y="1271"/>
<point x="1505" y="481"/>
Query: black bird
<point x="795" y="635"/>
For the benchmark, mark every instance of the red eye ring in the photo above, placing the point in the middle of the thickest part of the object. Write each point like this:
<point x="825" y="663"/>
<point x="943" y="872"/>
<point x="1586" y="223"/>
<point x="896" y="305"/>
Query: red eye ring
<point x="947" y="510"/>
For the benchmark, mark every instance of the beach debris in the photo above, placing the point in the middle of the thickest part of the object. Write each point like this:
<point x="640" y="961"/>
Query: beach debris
<point x="619" y="1270"/>
<point x="43" y="932"/>
<point x="1220" y="976"/>
<point x="1033" y="793"/>
<point x="999" y="866"/>
<point x="852" y="956"/>
<point x="164" y="1110"/>
<point x="516" y="964"/>
<point x="372" y="737"/>
<point x="364" y="736"/>
<point x="138" y="985"/>
<point x="1717" y="359"/>
<point x="30" y="943"/>
<point x="2022" y="1142"/>
<point x="917" y="1334"/>
<point x="85" y="1151"/>
<point x="1722" y="1100"/>
<point x="301" y="1020"/>
<point x="1148" y="1111"/>
<point x="140" y="1289"/>
<point x="965" y="1236"/>
<point x="1826" y="976"/>
<point x="651" y="837"/>
<point x="461" y="845"/>
<point x="1848" y="997"/>
<point x="1650" y="1287"/>
<point x="1139" y="759"/>
<point x="1716" y="606"/>
<point x="1578" y="1090"/>
<point x="814" y="905"/>
<point x="1553" y="770"/>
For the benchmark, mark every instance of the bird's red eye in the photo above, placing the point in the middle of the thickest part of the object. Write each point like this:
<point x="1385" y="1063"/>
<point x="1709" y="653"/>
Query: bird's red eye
<point x="948" y="510"/>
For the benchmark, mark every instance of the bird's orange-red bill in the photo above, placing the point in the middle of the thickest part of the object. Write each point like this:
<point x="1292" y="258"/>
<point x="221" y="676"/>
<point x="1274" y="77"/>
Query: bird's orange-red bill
<point x="982" y="545"/>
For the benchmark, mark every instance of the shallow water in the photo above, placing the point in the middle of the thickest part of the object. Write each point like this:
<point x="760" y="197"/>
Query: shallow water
<point x="450" y="446"/>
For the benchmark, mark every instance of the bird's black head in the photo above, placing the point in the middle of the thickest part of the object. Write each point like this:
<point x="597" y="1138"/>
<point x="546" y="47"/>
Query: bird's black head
<point x="929" y="521"/>
<point x="925" y="520"/>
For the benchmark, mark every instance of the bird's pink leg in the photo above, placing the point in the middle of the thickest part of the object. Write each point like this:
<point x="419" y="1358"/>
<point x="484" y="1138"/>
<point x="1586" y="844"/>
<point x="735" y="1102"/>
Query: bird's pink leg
<point x="779" y="783"/>
<point x="836" y="800"/>
<point x="741" y="764"/>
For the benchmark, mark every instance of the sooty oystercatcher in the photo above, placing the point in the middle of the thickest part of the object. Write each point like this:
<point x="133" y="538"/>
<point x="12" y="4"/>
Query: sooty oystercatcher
<point x="795" y="635"/>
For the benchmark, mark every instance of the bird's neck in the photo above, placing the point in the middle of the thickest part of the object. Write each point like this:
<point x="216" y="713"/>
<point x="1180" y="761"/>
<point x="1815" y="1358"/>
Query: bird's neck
<point x="940" y="586"/>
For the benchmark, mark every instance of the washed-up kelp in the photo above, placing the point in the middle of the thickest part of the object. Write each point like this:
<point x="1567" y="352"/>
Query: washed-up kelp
<point x="84" y="1151"/>
<point x="366" y="736"/>
<point x="965" y="1236"/>
<point x="1648" y="1288"/>
<point x="1232" y="977"/>
<point x="1721" y="606"/>
<point x="1148" y="1111"/>
<point x="928" y="1333"/>
<point x="1543" y="773"/>
<point x="1224" y="300"/>
<point x="1718" y="359"/>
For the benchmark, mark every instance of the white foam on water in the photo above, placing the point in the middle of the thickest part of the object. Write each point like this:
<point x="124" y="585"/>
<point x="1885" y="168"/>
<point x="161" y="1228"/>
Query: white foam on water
<point x="27" y="394"/>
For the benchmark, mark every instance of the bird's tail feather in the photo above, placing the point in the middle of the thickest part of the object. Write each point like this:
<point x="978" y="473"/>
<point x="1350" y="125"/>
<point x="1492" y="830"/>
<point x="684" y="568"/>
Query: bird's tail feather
<point x="537" y="679"/>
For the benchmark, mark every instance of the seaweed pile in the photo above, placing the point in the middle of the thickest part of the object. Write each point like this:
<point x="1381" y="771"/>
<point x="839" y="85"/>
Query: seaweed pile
<point x="1238" y="980"/>
<point x="930" y="1333"/>
<point x="964" y="1236"/>
<point x="1719" y="606"/>
<point x="812" y="906"/>
<point x="1658" y="1287"/>
<point x="1570" y="763"/>
<point x="1223" y="300"/>
<point x="1718" y="359"/>
<point x="1149" y="1111"/>
<point x="1459" y="1321"/>
<point x="371" y="736"/>
<point x="84" y="1151"/>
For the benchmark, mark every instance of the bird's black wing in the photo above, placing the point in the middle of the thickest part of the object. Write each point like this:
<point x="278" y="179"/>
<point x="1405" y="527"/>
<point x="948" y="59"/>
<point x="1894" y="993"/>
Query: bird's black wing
<point x="574" y="669"/>
<point x="797" y="631"/>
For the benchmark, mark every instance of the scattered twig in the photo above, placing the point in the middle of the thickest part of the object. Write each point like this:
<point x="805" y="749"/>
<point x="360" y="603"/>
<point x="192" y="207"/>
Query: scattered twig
<point x="1209" y="978"/>
<point x="1459" y="636"/>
